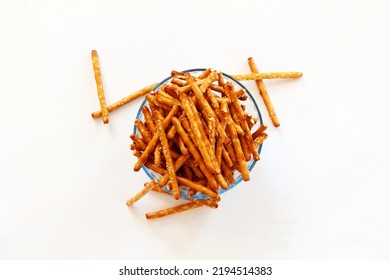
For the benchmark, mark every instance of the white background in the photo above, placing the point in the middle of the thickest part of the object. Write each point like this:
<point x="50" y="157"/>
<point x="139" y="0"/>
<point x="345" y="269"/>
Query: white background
<point x="320" y="191"/>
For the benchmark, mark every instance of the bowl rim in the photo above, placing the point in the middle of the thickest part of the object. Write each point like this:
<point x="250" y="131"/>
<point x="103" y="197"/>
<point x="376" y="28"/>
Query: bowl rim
<point x="260" y="120"/>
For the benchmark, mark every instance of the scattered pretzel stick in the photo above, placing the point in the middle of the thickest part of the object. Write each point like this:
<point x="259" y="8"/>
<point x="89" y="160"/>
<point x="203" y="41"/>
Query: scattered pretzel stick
<point x="125" y="100"/>
<point x="99" y="85"/>
<point x="271" y="75"/>
<point x="173" y="210"/>
<point x="147" y="187"/>
<point x="264" y="94"/>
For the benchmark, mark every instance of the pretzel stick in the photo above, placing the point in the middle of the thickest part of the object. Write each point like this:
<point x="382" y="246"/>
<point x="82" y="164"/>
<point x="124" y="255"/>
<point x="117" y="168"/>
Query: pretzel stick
<point x="237" y="148"/>
<point x="271" y="75"/>
<point x="125" y="100"/>
<point x="173" y="210"/>
<point x="178" y="163"/>
<point x="99" y="85"/>
<point x="167" y="153"/>
<point x="147" y="187"/>
<point x="143" y="130"/>
<point x="259" y="140"/>
<point x="194" y="152"/>
<point x="264" y="94"/>
<point x="259" y="131"/>
<point x="152" y="144"/>
<point x="148" y="119"/>
<point x="140" y="144"/>
<point x="188" y="183"/>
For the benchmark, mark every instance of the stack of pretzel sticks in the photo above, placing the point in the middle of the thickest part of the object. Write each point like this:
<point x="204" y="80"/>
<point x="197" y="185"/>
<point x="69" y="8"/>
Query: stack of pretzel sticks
<point x="196" y="134"/>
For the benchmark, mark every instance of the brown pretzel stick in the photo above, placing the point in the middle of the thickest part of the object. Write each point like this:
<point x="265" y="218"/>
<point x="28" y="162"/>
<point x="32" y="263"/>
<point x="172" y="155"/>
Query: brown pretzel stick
<point x="178" y="163"/>
<point x="147" y="187"/>
<point x="152" y="144"/>
<point x="194" y="152"/>
<point x="259" y="140"/>
<point x="125" y="100"/>
<point x="271" y="75"/>
<point x="99" y="85"/>
<point x="264" y="94"/>
<point x="158" y="118"/>
<point x="193" y="185"/>
<point x="173" y="210"/>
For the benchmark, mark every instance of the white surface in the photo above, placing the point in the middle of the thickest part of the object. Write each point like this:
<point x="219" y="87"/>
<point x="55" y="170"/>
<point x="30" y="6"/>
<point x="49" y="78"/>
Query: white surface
<point x="321" y="190"/>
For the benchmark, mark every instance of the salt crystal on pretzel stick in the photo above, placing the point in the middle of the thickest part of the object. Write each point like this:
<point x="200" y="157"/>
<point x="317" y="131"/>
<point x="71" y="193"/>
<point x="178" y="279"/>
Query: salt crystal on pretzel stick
<point x="99" y="85"/>
<point x="264" y="94"/>
<point x="173" y="210"/>
<point x="125" y="100"/>
<point x="167" y="153"/>
<point x="271" y="75"/>
<point x="147" y="187"/>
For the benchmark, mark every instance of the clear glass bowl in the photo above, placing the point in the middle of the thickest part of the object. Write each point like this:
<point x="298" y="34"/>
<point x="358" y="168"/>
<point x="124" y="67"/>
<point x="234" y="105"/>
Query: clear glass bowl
<point x="250" y="107"/>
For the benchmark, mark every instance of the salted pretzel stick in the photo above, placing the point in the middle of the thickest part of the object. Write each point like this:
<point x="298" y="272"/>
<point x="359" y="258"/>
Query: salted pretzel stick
<point x="196" y="131"/>
<point x="194" y="152"/>
<point x="99" y="85"/>
<point x="125" y="100"/>
<point x="167" y="153"/>
<point x="271" y="75"/>
<point x="173" y="210"/>
<point x="147" y="187"/>
<point x="264" y="94"/>
<point x="205" y="104"/>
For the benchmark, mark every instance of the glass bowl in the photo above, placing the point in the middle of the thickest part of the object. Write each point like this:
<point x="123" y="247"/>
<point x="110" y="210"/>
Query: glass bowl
<point x="250" y="107"/>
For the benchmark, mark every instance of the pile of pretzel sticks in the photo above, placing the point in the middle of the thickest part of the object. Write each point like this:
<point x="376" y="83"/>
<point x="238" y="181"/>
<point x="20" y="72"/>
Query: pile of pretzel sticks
<point x="195" y="133"/>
